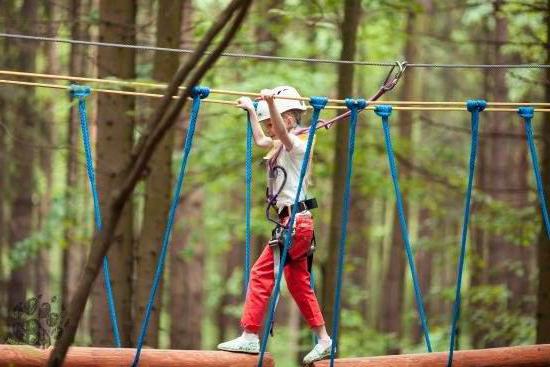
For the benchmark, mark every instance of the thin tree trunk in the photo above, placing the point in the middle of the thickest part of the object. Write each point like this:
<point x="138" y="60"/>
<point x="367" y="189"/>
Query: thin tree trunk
<point x="478" y="257"/>
<point x="543" y="245"/>
<point x="225" y="321"/>
<point x="187" y="275"/>
<point x="348" y="31"/>
<point x="158" y="184"/>
<point x="46" y="131"/>
<point x="358" y="246"/>
<point x="507" y="169"/>
<point x="267" y="38"/>
<point x="22" y="177"/>
<point x="114" y="146"/>
<point x="394" y="280"/>
<point x="424" y="259"/>
<point x="70" y="261"/>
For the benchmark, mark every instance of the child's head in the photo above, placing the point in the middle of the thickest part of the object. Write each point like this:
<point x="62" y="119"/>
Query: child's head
<point x="291" y="110"/>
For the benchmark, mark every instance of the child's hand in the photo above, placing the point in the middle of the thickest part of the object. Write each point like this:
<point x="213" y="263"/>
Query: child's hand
<point x="267" y="95"/>
<point x="246" y="104"/>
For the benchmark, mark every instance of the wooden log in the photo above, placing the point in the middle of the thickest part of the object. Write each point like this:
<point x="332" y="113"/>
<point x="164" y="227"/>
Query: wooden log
<point x="521" y="356"/>
<point x="27" y="356"/>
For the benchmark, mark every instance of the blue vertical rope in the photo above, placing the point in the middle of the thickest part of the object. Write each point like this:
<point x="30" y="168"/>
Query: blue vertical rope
<point x="474" y="107"/>
<point x="527" y="114"/>
<point x="248" y="204"/>
<point x="81" y="92"/>
<point x="384" y="111"/>
<point x="354" y="107"/>
<point x="197" y="93"/>
<point x="318" y="103"/>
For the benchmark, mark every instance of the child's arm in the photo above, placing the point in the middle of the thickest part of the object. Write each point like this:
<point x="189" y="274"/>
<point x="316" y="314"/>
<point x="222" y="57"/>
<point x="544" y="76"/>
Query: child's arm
<point x="259" y="137"/>
<point x="279" y="127"/>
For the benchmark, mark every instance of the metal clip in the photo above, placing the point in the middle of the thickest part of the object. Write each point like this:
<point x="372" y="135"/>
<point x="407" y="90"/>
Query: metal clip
<point x="390" y="84"/>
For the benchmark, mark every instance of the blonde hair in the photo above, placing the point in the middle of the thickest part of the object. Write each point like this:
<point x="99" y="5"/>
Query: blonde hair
<point x="295" y="114"/>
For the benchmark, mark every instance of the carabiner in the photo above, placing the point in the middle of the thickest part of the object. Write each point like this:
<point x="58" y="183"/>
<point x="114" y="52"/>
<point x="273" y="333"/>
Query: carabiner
<point x="390" y="84"/>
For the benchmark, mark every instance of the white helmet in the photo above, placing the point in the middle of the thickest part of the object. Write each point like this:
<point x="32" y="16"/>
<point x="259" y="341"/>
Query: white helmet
<point x="282" y="105"/>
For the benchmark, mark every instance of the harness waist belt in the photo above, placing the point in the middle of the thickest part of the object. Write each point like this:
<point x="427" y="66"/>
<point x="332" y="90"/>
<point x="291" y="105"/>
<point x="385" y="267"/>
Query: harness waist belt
<point x="302" y="206"/>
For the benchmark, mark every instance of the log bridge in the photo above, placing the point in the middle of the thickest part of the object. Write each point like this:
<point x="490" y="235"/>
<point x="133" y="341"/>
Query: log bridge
<point x="520" y="356"/>
<point x="27" y="356"/>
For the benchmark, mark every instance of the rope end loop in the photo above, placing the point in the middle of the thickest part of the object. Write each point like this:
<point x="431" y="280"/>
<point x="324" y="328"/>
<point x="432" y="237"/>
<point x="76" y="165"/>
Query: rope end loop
<point x="526" y="112"/>
<point x="79" y="91"/>
<point x="476" y="105"/>
<point x="318" y="103"/>
<point x="383" y="110"/>
<point x="200" y="91"/>
<point x="356" y="104"/>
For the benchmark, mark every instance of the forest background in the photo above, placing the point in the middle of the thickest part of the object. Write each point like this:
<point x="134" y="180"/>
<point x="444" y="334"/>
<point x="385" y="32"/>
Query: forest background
<point x="46" y="211"/>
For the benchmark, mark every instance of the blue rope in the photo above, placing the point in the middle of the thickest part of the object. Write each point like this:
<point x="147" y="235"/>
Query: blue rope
<point x="318" y="103"/>
<point x="81" y="92"/>
<point x="354" y="107"/>
<point x="527" y="114"/>
<point x="197" y="93"/>
<point x="384" y="111"/>
<point x="474" y="107"/>
<point x="248" y="200"/>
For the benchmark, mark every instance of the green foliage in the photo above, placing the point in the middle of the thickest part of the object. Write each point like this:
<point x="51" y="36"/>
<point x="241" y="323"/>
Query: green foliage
<point x="49" y="235"/>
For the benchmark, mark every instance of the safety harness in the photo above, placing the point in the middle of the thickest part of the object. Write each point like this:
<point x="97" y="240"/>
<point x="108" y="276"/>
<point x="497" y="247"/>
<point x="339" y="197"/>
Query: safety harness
<point x="281" y="222"/>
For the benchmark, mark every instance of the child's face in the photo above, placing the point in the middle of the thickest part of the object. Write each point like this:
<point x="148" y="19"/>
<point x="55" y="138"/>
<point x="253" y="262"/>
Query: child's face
<point x="287" y="120"/>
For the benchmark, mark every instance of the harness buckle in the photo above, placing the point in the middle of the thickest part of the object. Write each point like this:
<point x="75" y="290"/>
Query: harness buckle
<point x="277" y="236"/>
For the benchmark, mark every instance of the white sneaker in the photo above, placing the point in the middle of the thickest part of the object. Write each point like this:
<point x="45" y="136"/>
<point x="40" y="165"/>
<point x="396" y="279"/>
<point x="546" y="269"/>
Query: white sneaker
<point x="242" y="345"/>
<point x="319" y="351"/>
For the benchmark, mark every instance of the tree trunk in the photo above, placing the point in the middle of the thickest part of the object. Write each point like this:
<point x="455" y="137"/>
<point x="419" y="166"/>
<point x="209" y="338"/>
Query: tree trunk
<point x="477" y="259"/>
<point x="159" y="182"/>
<point x="348" y="31"/>
<point x="543" y="245"/>
<point x="424" y="259"/>
<point x="22" y="174"/>
<point x="358" y="244"/>
<point x="394" y="279"/>
<point x="114" y="146"/>
<point x="187" y="274"/>
<point x="508" y="169"/>
<point x="71" y="261"/>
<point x="5" y="126"/>
<point x="269" y="28"/>
<point x="41" y="271"/>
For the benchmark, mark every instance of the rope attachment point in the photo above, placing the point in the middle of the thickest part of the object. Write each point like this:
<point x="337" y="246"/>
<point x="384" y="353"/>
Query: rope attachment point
<point x="79" y="91"/>
<point x="200" y="91"/>
<point x="356" y="104"/>
<point x="318" y="103"/>
<point x="476" y="105"/>
<point x="383" y="110"/>
<point x="526" y="112"/>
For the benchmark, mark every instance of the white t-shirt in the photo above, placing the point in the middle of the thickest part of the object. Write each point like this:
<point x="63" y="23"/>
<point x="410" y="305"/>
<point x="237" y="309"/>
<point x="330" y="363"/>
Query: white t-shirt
<point x="291" y="161"/>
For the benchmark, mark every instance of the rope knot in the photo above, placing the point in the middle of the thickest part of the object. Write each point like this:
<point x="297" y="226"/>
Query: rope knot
<point x="201" y="92"/>
<point x="476" y="105"/>
<point x="383" y="110"/>
<point x="318" y="102"/>
<point x="526" y="112"/>
<point x="79" y="91"/>
<point x="357" y="104"/>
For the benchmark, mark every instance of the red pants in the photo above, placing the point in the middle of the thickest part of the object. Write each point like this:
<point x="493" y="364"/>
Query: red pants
<point x="297" y="280"/>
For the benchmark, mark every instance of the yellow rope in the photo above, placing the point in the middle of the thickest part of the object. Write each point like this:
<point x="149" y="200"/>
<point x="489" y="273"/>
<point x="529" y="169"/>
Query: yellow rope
<point x="238" y="93"/>
<point x="233" y="103"/>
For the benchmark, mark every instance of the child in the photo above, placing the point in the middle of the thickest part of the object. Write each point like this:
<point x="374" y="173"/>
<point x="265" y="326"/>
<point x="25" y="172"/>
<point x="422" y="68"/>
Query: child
<point x="281" y="116"/>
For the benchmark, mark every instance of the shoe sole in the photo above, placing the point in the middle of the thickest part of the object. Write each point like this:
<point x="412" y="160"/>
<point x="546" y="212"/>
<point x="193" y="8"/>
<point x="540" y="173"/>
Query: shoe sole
<point x="238" y="351"/>
<point x="316" y="360"/>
